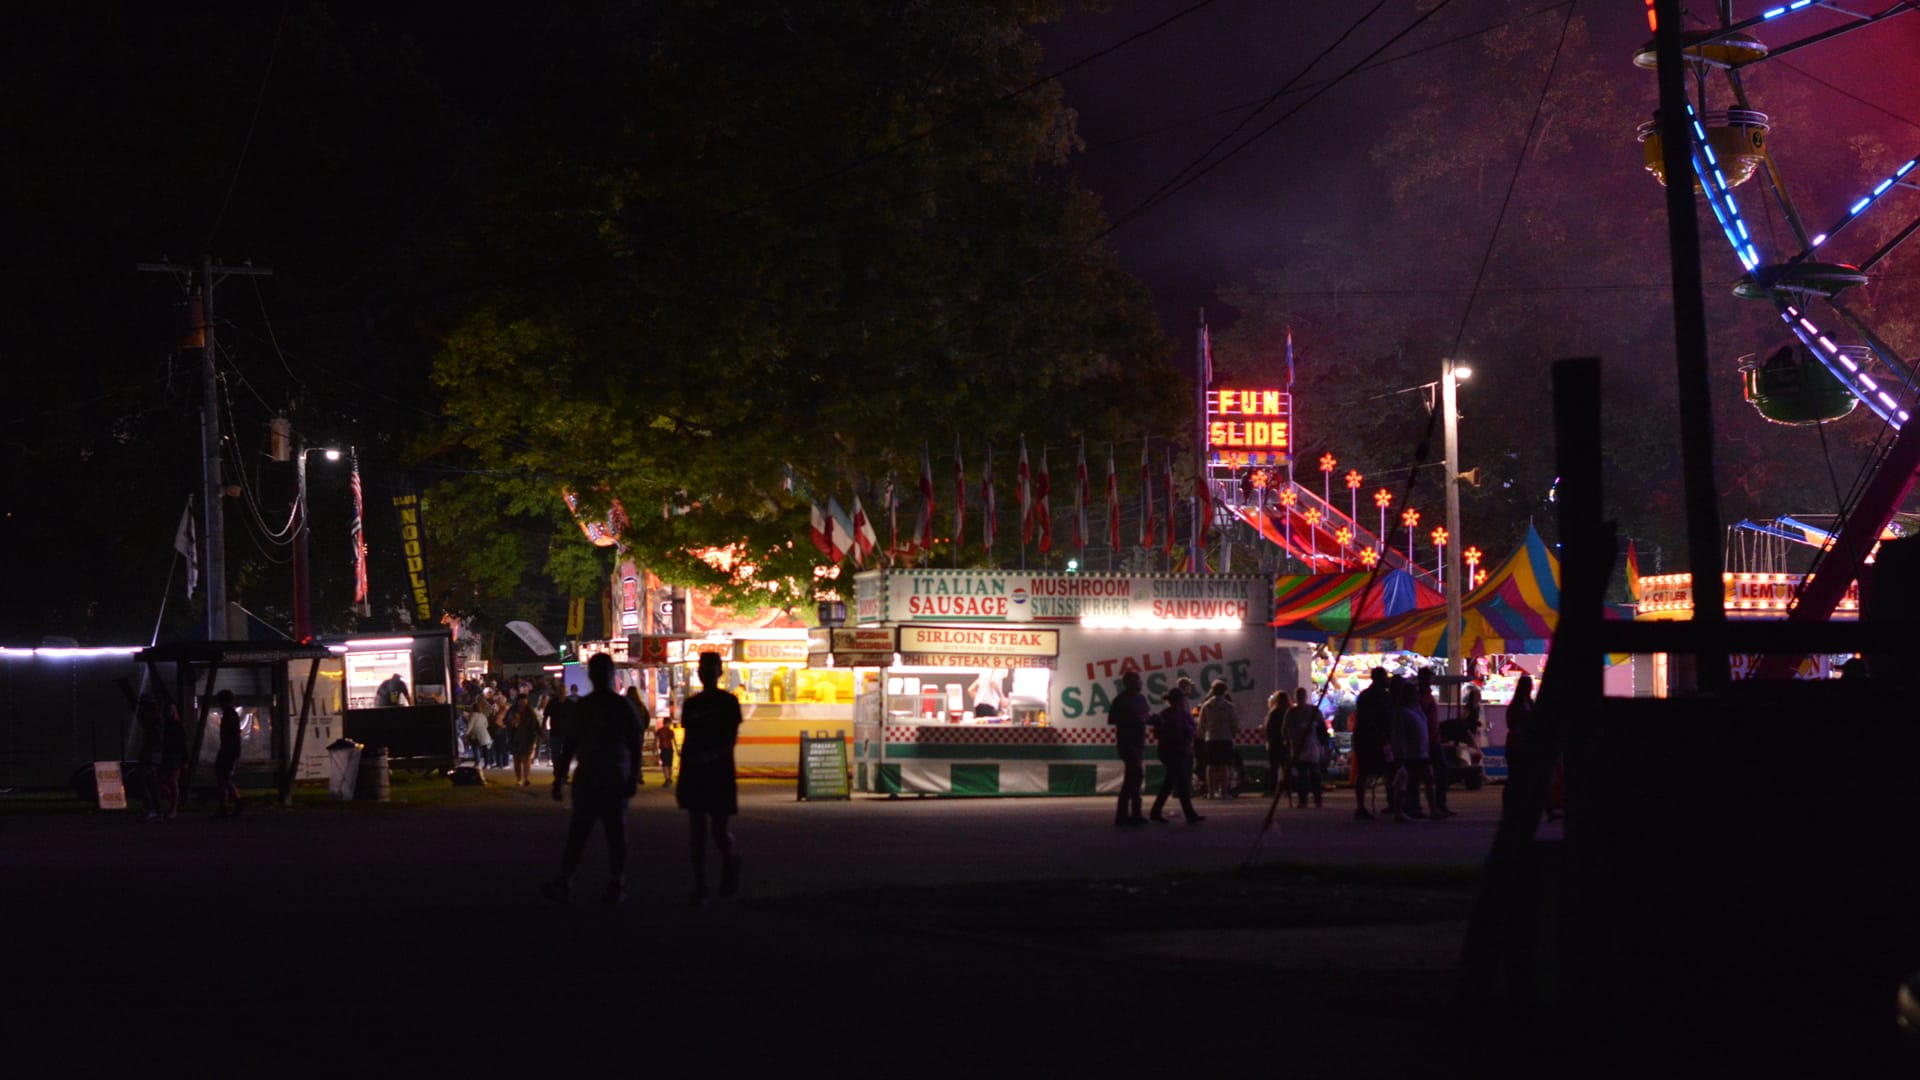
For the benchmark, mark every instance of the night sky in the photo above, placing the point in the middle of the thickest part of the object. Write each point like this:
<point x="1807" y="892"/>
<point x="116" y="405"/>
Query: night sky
<point x="125" y="158"/>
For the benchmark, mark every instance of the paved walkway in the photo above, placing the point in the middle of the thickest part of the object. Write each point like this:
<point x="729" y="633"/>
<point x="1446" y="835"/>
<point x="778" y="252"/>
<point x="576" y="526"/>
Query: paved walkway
<point x="412" y="936"/>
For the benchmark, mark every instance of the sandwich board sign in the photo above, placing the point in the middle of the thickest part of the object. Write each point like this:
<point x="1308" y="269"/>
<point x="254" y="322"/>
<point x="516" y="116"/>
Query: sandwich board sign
<point x="823" y="766"/>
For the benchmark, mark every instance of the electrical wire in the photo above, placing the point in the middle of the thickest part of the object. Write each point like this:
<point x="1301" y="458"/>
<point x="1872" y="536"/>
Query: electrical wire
<point x="230" y="453"/>
<point x="273" y="339"/>
<point x="246" y="144"/>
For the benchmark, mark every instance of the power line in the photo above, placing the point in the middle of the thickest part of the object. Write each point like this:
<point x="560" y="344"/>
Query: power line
<point x="247" y="143"/>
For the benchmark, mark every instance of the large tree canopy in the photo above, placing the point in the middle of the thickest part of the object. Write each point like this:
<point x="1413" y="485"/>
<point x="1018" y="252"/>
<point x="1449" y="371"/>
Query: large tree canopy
<point x="737" y="237"/>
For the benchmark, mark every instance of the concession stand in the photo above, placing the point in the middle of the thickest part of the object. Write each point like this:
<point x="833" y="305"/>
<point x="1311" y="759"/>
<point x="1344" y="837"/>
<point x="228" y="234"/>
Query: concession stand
<point x="998" y="681"/>
<point x="781" y="696"/>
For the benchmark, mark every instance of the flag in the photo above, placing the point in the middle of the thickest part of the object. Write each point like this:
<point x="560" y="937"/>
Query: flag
<point x="987" y="502"/>
<point x="186" y="542"/>
<point x="1633" y="573"/>
<point x="1173" y="507"/>
<point x="1289" y="359"/>
<point x="1042" y="513"/>
<point x="1203" y="505"/>
<point x="864" y="538"/>
<point x="923" y="532"/>
<point x="1113" y="501"/>
<point x="817" y="530"/>
<point x="959" y="497"/>
<point x="1080" y="498"/>
<point x="1023" y="488"/>
<point x="361" y="606"/>
<point x="1146" y="498"/>
<point x="840" y="531"/>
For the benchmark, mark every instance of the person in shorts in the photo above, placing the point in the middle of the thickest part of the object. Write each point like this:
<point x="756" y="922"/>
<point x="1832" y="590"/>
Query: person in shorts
<point x="707" y="792"/>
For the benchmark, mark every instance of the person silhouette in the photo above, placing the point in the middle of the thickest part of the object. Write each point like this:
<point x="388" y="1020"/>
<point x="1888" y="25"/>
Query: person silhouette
<point x="605" y="735"/>
<point x="710" y="722"/>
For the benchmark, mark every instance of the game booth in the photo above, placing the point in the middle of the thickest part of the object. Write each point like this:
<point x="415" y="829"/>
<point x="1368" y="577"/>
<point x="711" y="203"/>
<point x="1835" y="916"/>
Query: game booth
<point x="997" y="682"/>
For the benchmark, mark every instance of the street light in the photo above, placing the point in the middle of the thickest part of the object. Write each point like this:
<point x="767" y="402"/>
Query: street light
<point x="1451" y="376"/>
<point x="302" y="584"/>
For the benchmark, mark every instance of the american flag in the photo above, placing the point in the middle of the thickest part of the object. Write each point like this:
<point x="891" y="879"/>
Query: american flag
<point x="1023" y="484"/>
<point x="361" y="606"/>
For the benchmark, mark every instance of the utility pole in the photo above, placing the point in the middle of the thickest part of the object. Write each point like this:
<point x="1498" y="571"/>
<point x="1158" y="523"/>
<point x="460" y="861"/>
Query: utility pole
<point x="212" y="486"/>
<point x="1457" y="587"/>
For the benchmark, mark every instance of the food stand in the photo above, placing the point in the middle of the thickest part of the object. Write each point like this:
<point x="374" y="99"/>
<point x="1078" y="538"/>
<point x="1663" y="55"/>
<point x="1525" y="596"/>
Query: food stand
<point x="419" y="734"/>
<point x="781" y="696"/>
<point x="1000" y="680"/>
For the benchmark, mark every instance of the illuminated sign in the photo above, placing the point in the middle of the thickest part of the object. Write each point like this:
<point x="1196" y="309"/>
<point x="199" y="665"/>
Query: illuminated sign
<point x="1670" y="596"/>
<point x="1249" y="426"/>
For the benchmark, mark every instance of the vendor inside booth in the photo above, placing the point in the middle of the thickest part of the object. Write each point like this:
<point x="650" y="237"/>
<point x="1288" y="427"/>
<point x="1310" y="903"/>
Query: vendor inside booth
<point x="394" y="691"/>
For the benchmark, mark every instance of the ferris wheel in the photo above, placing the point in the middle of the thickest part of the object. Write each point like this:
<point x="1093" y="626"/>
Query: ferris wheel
<point x="1841" y="361"/>
<point x="1837" y="360"/>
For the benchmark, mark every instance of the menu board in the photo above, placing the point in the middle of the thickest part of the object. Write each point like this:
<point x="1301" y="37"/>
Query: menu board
<point x="823" y="766"/>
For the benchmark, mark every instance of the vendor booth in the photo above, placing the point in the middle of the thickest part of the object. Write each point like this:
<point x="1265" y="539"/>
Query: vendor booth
<point x="355" y="691"/>
<point x="781" y="697"/>
<point x="998" y="681"/>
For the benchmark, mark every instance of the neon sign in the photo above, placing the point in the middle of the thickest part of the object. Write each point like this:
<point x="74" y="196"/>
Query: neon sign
<point x="1249" y="426"/>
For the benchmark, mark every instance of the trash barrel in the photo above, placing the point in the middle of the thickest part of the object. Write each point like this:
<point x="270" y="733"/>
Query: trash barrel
<point x="343" y="768"/>
<point x="375" y="778"/>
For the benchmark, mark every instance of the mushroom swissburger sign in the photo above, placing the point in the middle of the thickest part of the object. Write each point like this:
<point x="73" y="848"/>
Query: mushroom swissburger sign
<point x="991" y="596"/>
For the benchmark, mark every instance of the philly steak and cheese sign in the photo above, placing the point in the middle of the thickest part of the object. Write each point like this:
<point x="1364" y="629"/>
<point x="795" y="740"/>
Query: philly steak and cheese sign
<point x="992" y="596"/>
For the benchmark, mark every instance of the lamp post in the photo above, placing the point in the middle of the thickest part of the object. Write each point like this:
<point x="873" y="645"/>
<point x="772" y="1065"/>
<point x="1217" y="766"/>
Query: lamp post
<point x="302" y="583"/>
<point x="1451" y="375"/>
<point x="1343" y="536"/>
<point x="1353" y="495"/>
<point x="1411" y="519"/>
<point x="1440" y="560"/>
<point x="1327" y="464"/>
<point x="1383" y="499"/>
<point x="1313" y="533"/>
<point x="1287" y="498"/>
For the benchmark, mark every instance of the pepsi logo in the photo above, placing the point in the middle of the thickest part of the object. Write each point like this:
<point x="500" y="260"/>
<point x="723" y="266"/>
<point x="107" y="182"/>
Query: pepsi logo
<point x="1019" y="596"/>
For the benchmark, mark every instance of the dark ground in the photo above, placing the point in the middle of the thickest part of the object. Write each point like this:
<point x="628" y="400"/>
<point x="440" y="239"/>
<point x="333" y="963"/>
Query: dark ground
<point x="931" y="937"/>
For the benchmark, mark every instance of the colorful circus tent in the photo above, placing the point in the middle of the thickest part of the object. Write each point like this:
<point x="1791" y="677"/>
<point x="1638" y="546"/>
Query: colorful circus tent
<point x="1314" y="607"/>
<point x="1513" y="611"/>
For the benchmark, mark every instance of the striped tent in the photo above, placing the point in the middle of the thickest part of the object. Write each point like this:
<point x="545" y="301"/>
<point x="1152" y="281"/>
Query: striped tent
<point x="1314" y="607"/>
<point x="1514" y="611"/>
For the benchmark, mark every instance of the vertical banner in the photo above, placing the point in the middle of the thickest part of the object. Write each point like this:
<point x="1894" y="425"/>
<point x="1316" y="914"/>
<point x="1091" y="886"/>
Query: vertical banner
<point x="576" y="617"/>
<point x="413" y="548"/>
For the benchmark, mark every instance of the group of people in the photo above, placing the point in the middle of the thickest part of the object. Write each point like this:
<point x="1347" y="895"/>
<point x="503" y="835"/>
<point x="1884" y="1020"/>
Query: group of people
<point x="519" y="722"/>
<point x="599" y="753"/>
<point x="161" y="771"/>
<point x="1179" y="729"/>
<point x="1397" y="741"/>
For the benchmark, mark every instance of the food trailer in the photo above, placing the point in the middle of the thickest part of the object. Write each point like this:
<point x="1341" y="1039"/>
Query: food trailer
<point x="781" y="696"/>
<point x="998" y="681"/>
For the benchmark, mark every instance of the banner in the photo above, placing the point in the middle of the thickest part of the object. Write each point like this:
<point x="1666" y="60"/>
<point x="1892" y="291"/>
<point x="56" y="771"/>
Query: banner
<point x="1018" y="596"/>
<point x="1087" y="676"/>
<point x="413" y="549"/>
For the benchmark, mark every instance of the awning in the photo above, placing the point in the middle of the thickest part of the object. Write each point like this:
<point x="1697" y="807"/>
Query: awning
<point x="1314" y="607"/>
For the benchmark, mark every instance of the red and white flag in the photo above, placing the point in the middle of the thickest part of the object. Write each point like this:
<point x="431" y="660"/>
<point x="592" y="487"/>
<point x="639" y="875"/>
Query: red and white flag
<point x="817" y="529"/>
<point x="839" y="529"/>
<point x="1146" y="498"/>
<point x="1203" y="504"/>
<point x="892" y="500"/>
<point x="1113" y="502"/>
<point x="864" y="538"/>
<point x="923" y="533"/>
<point x="1023" y="490"/>
<point x="1043" y="513"/>
<point x="959" y="497"/>
<point x="1080" y="498"/>
<point x="987" y="501"/>
<point x="357" y="533"/>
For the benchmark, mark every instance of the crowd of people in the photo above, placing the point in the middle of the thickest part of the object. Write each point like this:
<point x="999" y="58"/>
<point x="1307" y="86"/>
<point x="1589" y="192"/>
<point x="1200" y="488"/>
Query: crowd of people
<point x="516" y="723"/>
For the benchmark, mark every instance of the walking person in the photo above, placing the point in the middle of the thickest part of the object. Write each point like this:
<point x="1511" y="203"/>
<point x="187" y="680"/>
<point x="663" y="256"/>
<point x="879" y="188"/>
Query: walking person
<point x="606" y="740"/>
<point x="1128" y="715"/>
<point x="1304" y="731"/>
<point x="173" y="761"/>
<point x="1274" y="728"/>
<point x="150" y="714"/>
<point x="1436" y="751"/>
<point x="1173" y="732"/>
<point x="228" y="759"/>
<point x="646" y="724"/>
<point x="500" y="742"/>
<point x="1372" y="729"/>
<point x="523" y="732"/>
<point x="1519" y="725"/>
<point x="1219" y="723"/>
<point x="478" y="740"/>
<point x="663" y="746"/>
<point x="1409" y="735"/>
<point x="711" y="719"/>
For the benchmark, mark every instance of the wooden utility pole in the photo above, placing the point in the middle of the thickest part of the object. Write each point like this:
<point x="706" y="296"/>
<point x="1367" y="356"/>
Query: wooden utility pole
<point x="206" y="277"/>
